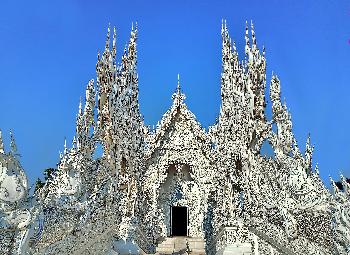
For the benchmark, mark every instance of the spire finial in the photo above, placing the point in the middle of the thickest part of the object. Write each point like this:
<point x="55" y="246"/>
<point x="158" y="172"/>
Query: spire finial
<point x="224" y="32"/>
<point x="317" y="171"/>
<point x="13" y="145"/>
<point x="114" y="50"/>
<point x="74" y="142"/>
<point x="178" y="96"/>
<point x="98" y="56"/>
<point x="222" y="26"/>
<point x="108" y="36"/>
<point x="234" y="46"/>
<point x="253" y="33"/>
<point x="247" y="45"/>
<point x="65" y="146"/>
<point x="334" y="185"/>
<point x="80" y="107"/>
<point x="1" y="144"/>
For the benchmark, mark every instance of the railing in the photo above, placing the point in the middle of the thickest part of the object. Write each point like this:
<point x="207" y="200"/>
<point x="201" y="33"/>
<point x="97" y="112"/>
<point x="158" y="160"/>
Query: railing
<point x="142" y="241"/>
<point x="229" y="235"/>
<point x="240" y="234"/>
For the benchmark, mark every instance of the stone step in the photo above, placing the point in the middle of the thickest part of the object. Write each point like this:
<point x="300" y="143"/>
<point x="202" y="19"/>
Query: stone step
<point x="178" y="245"/>
<point x="166" y="246"/>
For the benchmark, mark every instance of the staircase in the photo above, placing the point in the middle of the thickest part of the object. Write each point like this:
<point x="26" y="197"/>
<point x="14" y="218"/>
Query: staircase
<point x="177" y="245"/>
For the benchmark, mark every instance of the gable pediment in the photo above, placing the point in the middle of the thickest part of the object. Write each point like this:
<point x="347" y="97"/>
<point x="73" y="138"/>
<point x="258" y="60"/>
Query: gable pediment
<point x="178" y="130"/>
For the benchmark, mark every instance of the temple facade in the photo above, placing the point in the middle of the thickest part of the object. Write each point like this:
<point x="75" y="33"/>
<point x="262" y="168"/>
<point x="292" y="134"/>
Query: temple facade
<point x="177" y="188"/>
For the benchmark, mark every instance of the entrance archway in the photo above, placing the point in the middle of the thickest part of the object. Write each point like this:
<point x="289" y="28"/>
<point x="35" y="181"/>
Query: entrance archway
<point x="179" y="220"/>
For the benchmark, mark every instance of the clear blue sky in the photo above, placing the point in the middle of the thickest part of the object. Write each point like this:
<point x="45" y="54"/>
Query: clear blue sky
<point x="49" y="49"/>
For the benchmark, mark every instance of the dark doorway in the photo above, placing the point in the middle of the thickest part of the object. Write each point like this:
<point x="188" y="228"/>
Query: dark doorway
<point x="179" y="221"/>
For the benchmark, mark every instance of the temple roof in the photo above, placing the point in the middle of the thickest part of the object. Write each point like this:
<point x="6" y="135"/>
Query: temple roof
<point x="178" y="108"/>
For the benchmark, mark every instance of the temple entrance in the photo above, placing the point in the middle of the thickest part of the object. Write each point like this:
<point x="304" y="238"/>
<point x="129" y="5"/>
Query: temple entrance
<point x="179" y="220"/>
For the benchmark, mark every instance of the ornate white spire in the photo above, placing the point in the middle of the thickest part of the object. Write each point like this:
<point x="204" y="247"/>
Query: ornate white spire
<point x="80" y="107"/>
<point x="178" y="97"/>
<point x="114" y="47"/>
<point x="346" y="185"/>
<point x="108" y="37"/>
<point x="247" y="44"/>
<point x="65" y="149"/>
<point x="334" y="185"/>
<point x="253" y="35"/>
<point x="308" y="154"/>
<point x="13" y="145"/>
<point x="224" y="32"/>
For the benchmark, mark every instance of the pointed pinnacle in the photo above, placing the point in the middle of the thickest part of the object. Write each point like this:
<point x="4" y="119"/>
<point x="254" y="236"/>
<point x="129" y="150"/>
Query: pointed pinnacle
<point x="308" y="140"/>
<point x="133" y="32"/>
<point x="80" y="107"/>
<point x="114" y="37"/>
<point x="178" y="84"/>
<point x="247" y="44"/>
<point x="317" y="170"/>
<point x="125" y="48"/>
<point x="234" y="46"/>
<point x="108" y="36"/>
<point x="345" y="183"/>
<point x="253" y="32"/>
<point x="65" y="146"/>
<point x="334" y="185"/>
<point x="224" y="32"/>
<point x="13" y="144"/>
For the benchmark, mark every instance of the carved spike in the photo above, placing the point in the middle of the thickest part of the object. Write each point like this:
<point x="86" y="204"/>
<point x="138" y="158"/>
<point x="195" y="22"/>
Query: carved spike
<point x="13" y="145"/>
<point x="345" y="184"/>
<point x="114" y="47"/>
<point x="253" y="34"/>
<point x="334" y="186"/>
<point x="80" y="112"/>
<point x="247" y="44"/>
<point x="65" y="149"/>
<point x="108" y="37"/>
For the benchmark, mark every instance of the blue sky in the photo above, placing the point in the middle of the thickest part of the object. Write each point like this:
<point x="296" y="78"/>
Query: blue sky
<point x="49" y="51"/>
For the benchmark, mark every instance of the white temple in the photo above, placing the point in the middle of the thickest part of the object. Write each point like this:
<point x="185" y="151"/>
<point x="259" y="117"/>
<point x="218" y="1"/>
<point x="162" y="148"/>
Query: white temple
<point x="177" y="189"/>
